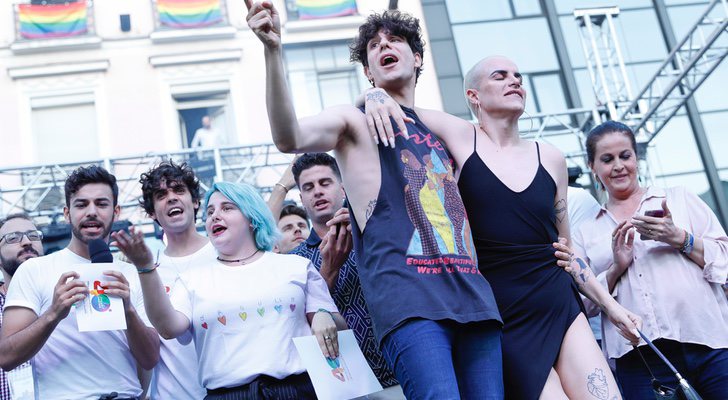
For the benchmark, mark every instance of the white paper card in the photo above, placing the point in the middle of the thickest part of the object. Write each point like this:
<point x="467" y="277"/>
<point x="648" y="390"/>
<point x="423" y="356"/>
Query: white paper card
<point x="347" y="377"/>
<point x="20" y="381"/>
<point x="98" y="311"/>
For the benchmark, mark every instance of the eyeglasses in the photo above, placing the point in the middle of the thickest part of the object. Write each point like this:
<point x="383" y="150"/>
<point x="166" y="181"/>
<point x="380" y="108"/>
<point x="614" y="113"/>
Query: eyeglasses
<point x="16" y="237"/>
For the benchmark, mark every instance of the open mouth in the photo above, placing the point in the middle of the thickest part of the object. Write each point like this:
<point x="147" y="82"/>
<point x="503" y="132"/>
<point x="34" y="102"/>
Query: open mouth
<point x="174" y="212"/>
<point x="320" y="204"/>
<point x="218" y="229"/>
<point x="92" y="226"/>
<point x="516" y="92"/>
<point x="387" y="60"/>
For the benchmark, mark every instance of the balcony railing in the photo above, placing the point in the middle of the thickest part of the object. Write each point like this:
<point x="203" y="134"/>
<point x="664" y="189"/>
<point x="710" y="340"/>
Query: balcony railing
<point x="36" y="22"/>
<point x="298" y="10"/>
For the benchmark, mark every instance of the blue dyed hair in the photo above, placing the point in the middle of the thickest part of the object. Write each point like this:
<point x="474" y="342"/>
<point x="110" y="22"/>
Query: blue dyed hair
<point x="248" y="200"/>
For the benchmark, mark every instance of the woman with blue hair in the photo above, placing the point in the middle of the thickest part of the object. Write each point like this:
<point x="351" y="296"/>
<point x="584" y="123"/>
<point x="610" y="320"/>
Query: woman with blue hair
<point x="244" y="307"/>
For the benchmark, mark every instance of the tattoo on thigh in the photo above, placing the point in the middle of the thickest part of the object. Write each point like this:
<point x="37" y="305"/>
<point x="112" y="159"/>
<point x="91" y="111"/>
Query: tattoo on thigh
<point x="377" y="96"/>
<point x="560" y="209"/>
<point x="370" y="209"/>
<point x="597" y="384"/>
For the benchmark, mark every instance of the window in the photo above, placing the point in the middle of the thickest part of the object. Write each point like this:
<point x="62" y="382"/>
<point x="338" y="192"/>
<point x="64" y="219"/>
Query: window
<point x="526" y="41"/>
<point x="65" y="133"/>
<point x="321" y="76"/>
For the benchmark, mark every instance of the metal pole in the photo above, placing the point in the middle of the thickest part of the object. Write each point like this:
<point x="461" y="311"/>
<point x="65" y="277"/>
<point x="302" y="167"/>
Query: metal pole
<point x="701" y="140"/>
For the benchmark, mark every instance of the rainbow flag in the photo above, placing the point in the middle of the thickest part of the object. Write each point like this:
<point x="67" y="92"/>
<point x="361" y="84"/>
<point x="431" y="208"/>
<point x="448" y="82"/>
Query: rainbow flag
<point x="189" y="13"/>
<point x="52" y="20"/>
<point x="312" y="9"/>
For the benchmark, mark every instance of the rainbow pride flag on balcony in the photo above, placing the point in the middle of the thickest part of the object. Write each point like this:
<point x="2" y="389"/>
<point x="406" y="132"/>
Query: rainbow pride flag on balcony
<point x="313" y="9"/>
<point x="182" y="14"/>
<point x="52" y="20"/>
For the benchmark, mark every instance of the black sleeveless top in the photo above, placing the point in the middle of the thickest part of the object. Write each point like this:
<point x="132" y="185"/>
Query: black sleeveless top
<point x="538" y="300"/>
<point x="416" y="257"/>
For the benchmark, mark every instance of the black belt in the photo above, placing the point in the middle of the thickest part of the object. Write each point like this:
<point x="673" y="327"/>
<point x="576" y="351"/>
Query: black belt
<point x="115" y="396"/>
<point x="266" y="387"/>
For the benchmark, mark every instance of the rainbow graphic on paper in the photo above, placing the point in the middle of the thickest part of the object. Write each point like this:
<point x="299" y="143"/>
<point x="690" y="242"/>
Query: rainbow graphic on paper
<point x="313" y="9"/>
<point x="183" y="14"/>
<point x="100" y="301"/>
<point x="52" y="20"/>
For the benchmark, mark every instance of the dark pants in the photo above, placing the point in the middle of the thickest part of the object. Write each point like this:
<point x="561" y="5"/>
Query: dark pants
<point x="444" y="360"/>
<point x="704" y="368"/>
<point x="294" y="387"/>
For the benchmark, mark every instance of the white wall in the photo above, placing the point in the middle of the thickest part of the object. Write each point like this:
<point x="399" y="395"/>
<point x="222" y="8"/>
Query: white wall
<point x="135" y="111"/>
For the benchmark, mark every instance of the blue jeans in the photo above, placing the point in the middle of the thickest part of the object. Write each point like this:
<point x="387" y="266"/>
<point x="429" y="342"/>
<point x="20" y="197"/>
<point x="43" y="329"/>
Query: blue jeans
<point x="443" y="360"/>
<point x="704" y="368"/>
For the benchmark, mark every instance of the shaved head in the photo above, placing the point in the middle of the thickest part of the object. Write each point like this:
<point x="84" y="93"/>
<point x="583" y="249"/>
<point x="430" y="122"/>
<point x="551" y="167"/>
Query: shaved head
<point x="478" y="71"/>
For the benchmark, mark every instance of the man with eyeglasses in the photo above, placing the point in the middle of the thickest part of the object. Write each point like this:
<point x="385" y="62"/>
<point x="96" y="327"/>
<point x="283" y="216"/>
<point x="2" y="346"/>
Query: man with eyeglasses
<point x="19" y="241"/>
<point x="38" y="320"/>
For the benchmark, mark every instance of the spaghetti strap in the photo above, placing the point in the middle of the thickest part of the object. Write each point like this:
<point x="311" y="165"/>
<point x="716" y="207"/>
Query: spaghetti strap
<point x="538" y="152"/>
<point x="475" y="139"/>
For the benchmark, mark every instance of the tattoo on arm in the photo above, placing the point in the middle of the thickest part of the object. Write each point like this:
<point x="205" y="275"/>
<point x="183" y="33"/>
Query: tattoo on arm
<point x="597" y="384"/>
<point x="370" y="209"/>
<point x="582" y="274"/>
<point x="377" y="96"/>
<point x="560" y="209"/>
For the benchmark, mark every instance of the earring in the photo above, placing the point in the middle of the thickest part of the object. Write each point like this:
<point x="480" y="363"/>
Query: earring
<point x="598" y="184"/>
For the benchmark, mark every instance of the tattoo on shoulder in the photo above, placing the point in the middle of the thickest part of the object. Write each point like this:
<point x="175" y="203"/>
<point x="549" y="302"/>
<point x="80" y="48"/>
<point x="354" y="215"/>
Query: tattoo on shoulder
<point x="597" y="384"/>
<point x="560" y="209"/>
<point x="370" y="209"/>
<point x="377" y="96"/>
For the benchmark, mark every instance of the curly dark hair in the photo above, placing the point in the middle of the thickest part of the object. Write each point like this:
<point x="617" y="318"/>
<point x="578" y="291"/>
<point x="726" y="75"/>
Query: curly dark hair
<point x="168" y="171"/>
<point x="309" y="160"/>
<point x="596" y="134"/>
<point x="394" y="22"/>
<point x="83" y="176"/>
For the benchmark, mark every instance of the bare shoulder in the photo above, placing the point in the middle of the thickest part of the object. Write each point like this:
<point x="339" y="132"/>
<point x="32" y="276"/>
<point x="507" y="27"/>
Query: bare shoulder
<point x="443" y="121"/>
<point x="455" y="132"/>
<point x="553" y="160"/>
<point x="551" y="156"/>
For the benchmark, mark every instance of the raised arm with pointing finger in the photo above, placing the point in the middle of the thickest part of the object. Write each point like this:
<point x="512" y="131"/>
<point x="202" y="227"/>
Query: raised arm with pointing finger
<point x="416" y="263"/>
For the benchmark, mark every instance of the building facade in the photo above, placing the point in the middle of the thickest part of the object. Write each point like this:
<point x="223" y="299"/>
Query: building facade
<point x="137" y="76"/>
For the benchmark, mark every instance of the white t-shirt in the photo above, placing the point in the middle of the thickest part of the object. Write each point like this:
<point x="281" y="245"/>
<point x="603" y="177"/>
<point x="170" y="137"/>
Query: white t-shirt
<point x="582" y="206"/>
<point x="245" y="317"/>
<point x="175" y="376"/>
<point x="205" y="138"/>
<point x="73" y="364"/>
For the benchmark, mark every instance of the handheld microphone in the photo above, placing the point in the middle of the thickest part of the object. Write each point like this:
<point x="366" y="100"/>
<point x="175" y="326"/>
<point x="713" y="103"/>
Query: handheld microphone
<point x="99" y="251"/>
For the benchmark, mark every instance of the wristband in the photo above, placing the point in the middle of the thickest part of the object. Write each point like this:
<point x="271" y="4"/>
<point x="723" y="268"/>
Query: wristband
<point x="283" y="186"/>
<point x="147" y="270"/>
<point x="326" y="311"/>
<point x="688" y="246"/>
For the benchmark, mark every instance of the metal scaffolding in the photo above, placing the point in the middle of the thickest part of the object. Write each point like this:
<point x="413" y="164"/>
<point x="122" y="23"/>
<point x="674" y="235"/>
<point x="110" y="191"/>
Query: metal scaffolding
<point x="38" y="190"/>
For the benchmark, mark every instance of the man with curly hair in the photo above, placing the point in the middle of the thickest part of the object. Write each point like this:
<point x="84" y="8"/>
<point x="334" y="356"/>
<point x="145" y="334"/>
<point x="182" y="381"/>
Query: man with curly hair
<point x="171" y="196"/>
<point x="433" y="314"/>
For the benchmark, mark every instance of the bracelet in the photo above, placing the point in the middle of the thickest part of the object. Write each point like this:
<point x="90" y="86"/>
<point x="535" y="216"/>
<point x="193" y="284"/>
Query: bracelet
<point x="686" y="240"/>
<point x="147" y="270"/>
<point x="326" y="311"/>
<point x="688" y="246"/>
<point x="283" y="186"/>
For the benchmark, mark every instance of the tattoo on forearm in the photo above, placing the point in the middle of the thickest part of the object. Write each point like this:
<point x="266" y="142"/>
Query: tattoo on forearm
<point x="583" y="272"/>
<point x="560" y="209"/>
<point x="377" y="96"/>
<point x="597" y="384"/>
<point x="370" y="209"/>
